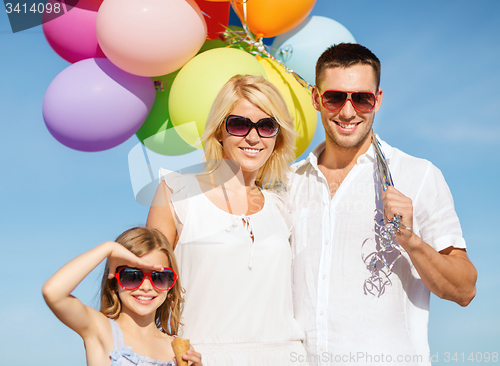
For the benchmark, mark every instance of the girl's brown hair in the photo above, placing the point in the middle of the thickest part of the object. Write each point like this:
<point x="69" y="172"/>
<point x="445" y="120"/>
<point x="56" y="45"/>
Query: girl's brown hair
<point x="141" y="241"/>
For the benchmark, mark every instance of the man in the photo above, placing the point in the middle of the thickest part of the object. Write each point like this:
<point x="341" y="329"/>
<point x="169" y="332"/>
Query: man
<point x="354" y="309"/>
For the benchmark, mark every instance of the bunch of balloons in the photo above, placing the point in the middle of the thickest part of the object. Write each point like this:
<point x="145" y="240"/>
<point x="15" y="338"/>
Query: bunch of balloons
<point x="150" y="67"/>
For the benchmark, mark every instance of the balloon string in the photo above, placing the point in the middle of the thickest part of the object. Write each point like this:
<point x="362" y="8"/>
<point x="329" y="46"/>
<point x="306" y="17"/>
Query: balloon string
<point x="259" y="48"/>
<point x="377" y="262"/>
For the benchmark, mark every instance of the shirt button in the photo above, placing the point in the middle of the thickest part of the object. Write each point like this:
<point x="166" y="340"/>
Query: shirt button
<point x="324" y="276"/>
<point x="321" y="348"/>
<point x="327" y="242"/>
<point x="321" y="313"/>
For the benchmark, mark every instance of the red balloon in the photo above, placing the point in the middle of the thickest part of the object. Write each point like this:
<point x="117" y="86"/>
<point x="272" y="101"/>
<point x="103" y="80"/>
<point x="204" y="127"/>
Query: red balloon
<point x="216" y="16"/>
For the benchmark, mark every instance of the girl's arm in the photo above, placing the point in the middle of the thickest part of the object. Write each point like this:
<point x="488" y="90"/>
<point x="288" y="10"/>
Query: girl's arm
<point x="83" y="319"/>
<point x="161" y="214"/>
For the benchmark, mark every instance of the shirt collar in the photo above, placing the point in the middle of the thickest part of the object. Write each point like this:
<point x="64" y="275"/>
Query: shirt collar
<point x="314" y="155"/>
<point x="368" y="155"/>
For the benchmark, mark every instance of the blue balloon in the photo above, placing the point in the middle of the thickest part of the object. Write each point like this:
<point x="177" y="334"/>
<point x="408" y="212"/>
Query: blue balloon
<point x="300" y="48"/>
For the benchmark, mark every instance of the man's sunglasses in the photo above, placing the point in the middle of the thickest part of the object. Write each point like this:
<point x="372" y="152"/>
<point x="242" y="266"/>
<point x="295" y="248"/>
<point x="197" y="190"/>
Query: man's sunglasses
<point x="335" y="99"/>
<point x="241" y="126"/>
<point x="132" y="278"/>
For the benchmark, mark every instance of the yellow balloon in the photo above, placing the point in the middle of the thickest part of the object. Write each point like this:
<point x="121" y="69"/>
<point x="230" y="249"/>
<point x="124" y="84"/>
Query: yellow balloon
<point x="198" y="83"/>
<point x="298" y="100"/>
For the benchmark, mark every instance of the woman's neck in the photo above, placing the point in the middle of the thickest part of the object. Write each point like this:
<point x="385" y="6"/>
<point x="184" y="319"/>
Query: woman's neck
<point x="229" y="174"/>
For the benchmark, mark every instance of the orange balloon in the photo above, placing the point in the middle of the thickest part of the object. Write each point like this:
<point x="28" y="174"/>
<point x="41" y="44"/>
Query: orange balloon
<point x="268" y="18"/>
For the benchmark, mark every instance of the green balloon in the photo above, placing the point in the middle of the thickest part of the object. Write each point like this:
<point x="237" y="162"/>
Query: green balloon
<point x="157" y="132"/>
<point x="211" y="44"/>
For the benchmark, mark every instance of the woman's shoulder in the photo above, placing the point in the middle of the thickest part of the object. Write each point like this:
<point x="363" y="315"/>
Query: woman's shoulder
<point x="181" y="186"/>
<point x="277" y="199"/>
<point x="175" y="180"/>
<point x="277" y="194"/>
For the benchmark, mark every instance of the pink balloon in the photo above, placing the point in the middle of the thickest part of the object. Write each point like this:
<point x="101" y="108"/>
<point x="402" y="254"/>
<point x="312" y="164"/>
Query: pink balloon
<point x="150" y="37"/>
<point x="72" y="35"/>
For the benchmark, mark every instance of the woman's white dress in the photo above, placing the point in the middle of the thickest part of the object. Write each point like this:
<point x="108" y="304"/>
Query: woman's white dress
<point x="236" y="271"/>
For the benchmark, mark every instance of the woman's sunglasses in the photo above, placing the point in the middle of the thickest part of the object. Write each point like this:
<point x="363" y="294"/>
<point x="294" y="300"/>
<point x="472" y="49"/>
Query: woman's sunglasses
<point x="132" y="278"/>
<point x="335" y="99"/>
<point x="241" y="126"/>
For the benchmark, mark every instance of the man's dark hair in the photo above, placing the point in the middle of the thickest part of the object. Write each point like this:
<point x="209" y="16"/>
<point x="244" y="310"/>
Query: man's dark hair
<point x="345" y="55"/>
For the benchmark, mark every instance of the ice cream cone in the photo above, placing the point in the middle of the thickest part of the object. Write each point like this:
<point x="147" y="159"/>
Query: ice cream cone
<point x="180" y="347"/>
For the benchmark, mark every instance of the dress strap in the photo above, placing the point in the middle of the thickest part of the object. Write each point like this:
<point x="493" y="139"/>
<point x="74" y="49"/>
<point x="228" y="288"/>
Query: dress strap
<point x="118" y="341"/>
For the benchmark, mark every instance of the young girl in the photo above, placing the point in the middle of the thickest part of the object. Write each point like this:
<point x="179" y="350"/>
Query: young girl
<point x="140" y="301"/>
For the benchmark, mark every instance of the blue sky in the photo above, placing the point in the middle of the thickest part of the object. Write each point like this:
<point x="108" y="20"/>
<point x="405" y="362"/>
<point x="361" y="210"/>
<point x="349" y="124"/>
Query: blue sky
<point x="440" y="77"/>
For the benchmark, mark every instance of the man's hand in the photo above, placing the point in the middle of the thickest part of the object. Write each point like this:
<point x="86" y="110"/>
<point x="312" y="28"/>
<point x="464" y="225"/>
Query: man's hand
<point x="396" y="203"/>
<point x="448" y="274"/>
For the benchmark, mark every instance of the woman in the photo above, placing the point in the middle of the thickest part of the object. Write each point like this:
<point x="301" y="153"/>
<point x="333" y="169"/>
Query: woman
<point x="231" y="239"/>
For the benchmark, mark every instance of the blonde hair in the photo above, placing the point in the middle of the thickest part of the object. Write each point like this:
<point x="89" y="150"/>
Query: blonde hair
<point x="141" y="241"/>
<point x="266" y="97"/>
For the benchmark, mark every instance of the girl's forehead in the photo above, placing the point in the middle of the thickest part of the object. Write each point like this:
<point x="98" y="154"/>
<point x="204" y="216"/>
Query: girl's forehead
<point x="157" y="256"/>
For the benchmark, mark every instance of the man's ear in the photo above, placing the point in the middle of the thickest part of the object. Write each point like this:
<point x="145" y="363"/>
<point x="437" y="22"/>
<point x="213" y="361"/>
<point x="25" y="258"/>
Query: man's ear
<point x="380" y="95"/>
<point x="316" y="98"/>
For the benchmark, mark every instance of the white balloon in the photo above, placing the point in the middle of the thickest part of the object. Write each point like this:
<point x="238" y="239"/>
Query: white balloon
<point x="300" y="48"/>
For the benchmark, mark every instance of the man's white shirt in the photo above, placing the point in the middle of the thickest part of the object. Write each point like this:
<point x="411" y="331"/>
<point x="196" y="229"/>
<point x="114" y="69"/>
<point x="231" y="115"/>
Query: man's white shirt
<point x="331" y="241"/>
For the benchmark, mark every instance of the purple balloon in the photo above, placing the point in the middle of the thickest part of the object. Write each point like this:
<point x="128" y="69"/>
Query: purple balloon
<point x="92" y="105"/>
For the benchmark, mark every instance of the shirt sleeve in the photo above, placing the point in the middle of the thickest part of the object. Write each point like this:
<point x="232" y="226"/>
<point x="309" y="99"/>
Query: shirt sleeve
<point x="434" y="216"/>
<point x="181" y="187"/>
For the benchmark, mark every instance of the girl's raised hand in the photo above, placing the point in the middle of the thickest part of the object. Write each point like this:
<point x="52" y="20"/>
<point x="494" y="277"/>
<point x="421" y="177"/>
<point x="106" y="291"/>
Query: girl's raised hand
<point x="121" y="256"/>
<point x="57" y="289"/>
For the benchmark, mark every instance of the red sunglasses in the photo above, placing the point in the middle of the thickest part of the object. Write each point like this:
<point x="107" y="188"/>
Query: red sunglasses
<point x="335" y="99"/>
<point x="132" y="278"/>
